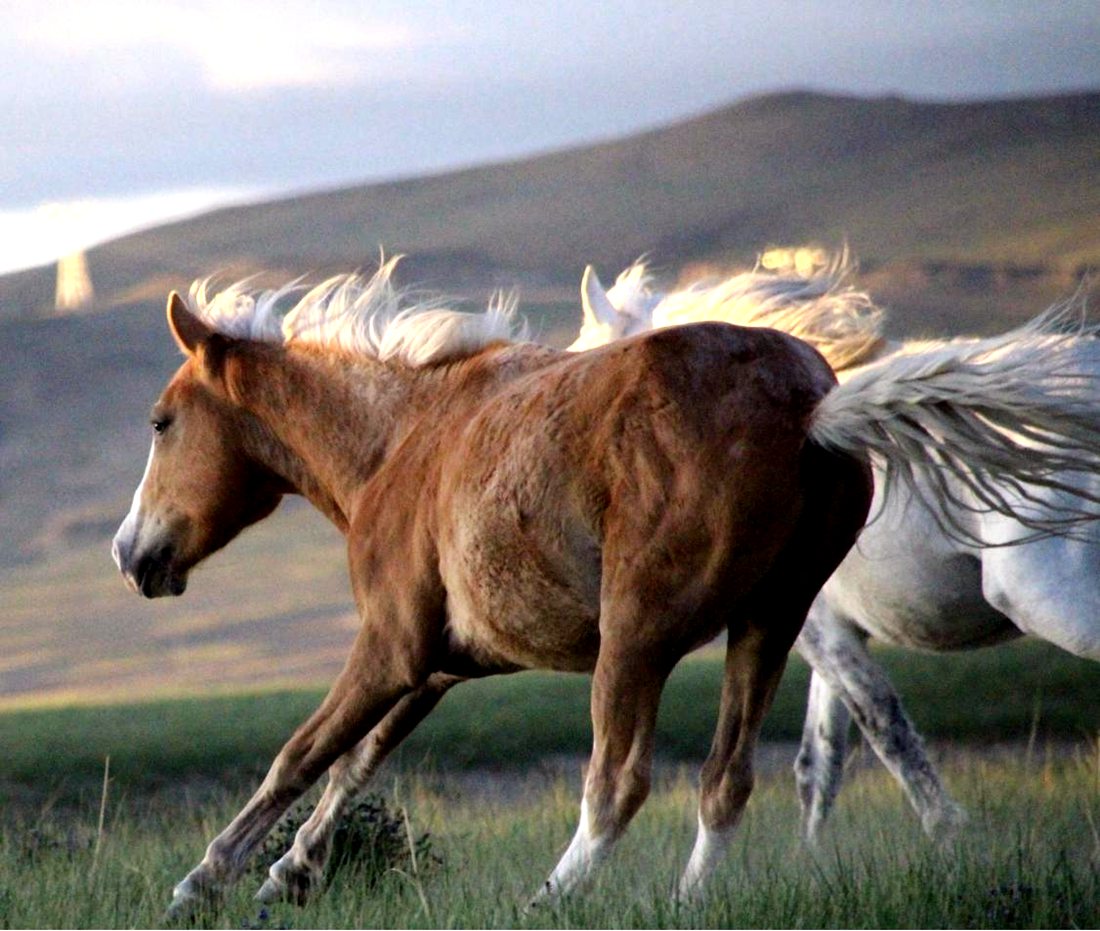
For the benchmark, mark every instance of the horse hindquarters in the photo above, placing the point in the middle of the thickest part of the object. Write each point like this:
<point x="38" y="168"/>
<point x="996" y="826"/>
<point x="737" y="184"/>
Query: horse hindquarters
<point x="761" y="632"/>
<point x="1048" y="588"/>
<point x="666" y="587"/>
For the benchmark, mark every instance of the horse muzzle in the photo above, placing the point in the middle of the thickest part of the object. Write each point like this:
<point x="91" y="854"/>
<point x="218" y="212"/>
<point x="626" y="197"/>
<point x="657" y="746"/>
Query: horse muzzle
<point x="152" y="573"/>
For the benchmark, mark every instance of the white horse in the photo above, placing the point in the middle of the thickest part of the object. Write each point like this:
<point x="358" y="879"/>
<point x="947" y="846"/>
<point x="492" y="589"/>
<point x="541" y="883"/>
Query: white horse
<point x="920" y="576"/>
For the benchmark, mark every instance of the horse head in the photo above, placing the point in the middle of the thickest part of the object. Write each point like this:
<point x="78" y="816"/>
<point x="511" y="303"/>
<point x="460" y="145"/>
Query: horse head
<point x="624" y="310"/>
<point x="200" y="486"/>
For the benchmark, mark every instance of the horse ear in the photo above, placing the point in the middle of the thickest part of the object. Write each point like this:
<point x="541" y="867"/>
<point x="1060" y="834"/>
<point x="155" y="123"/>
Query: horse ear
<point x="598" y="308"/>
<point x="187" y="329"/>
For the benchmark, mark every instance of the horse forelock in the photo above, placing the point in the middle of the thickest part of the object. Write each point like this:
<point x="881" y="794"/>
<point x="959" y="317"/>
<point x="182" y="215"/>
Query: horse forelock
<point x="362" y="315"/>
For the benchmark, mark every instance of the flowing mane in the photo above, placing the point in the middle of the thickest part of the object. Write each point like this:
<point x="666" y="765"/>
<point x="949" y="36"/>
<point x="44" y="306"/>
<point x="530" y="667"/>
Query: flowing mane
<point x="821" y="308"/>
<point x="361" y="315"/>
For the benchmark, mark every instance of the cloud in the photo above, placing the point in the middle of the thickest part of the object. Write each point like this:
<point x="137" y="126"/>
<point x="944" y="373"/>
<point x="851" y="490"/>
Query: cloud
<point x="236" y="46"/>
<point x="115" y="98"/>
<point x="41" y="234"/>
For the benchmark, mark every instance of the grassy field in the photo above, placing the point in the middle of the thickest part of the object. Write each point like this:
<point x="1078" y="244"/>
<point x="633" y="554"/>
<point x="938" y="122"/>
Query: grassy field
<point x="494" y="776"/>
<point x="1028" y="858"/>
<point x="1021" y="691"/>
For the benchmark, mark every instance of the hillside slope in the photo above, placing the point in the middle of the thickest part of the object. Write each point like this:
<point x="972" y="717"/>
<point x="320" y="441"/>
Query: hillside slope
<point x="965" y="217"/>
<point x="1005" y="182"/>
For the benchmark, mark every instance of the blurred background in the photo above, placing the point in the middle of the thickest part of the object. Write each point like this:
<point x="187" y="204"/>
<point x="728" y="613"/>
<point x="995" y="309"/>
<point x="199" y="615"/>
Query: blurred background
<point x="953" y="148"/>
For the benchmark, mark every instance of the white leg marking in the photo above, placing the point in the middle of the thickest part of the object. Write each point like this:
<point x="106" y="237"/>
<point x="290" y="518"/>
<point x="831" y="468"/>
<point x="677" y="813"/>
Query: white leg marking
<point x="710" y="848"/>
<point x="584" y="853"/>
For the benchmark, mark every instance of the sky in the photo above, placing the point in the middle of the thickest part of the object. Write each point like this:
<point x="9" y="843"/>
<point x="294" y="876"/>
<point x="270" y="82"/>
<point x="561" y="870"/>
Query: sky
<point x="120" y="114"/>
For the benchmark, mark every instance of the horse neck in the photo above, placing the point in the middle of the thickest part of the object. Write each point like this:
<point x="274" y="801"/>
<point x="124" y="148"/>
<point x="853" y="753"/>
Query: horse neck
<point x="325" y="421"/>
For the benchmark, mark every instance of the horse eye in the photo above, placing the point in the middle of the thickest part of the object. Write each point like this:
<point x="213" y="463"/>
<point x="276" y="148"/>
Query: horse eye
<point x="160" y="424"/>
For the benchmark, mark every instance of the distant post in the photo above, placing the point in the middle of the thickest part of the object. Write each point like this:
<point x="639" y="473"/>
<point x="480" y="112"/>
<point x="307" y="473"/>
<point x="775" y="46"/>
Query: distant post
<point x="74" y="284"/>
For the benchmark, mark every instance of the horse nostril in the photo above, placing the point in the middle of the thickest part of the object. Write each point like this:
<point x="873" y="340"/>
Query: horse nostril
<point x="143" y="572"/>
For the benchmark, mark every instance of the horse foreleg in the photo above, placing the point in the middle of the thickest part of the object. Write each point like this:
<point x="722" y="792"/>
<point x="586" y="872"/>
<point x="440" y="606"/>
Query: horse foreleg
<point x="819" y="767"/>
<point x="754" y="666"/>
<point x="299" y="872"/>
<point x="626" y="690"/>
<point x="351" y="708"/>
<point x="838" y="654"/>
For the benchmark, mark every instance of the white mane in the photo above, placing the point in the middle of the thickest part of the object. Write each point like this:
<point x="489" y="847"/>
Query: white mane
<point x="361" y="315"/>
<point x="821" y="308"/>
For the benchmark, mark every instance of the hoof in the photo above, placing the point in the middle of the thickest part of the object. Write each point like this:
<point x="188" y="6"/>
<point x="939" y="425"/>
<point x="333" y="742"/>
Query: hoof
<point x="271" y="892"/>
<point x="196" y="891"/>
<point x="944" y="827"/>
<point x="545" y="898"/>
<point x="182" y="909"/>
<point x="294" y="886"/>
<point x="687" y="895"/>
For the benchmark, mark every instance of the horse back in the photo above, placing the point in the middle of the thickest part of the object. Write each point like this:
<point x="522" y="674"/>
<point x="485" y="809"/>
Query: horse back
<point x="667" y="464"/>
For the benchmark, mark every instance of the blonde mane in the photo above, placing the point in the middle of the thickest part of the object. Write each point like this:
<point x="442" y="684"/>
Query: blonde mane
<point x="821" y="308"/>
<point x="365" y="316"/>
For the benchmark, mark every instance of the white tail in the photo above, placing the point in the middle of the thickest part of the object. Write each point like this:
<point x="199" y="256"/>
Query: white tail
<point x="1004" y="417"/>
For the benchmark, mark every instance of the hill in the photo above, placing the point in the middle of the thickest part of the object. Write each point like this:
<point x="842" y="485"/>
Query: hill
<point x="970" y="189"/>
<point x="964" y="216"/>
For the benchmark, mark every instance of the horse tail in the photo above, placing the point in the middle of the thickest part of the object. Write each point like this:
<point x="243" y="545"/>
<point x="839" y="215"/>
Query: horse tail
<point x="981" y="424"/>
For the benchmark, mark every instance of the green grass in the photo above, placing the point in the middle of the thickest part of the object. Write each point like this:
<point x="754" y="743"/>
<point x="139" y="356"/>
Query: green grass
<point x="1028" y="859"/>
<point x="493" y="777"/>
<point x="1021" y="690"/>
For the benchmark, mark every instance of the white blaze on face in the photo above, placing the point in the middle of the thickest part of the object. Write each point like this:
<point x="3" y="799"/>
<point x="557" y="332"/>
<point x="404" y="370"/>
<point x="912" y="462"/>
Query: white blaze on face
<point x="127" y="536"/>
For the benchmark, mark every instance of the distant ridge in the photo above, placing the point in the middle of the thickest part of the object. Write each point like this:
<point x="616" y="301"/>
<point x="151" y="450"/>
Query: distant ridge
<point x="1012" y="182"/>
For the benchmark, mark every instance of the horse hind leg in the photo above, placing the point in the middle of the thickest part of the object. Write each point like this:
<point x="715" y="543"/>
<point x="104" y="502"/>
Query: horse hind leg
<point x="756" y="655"/>
<point x="300" y="871"/>
<point x="626" y="690"/>
<point x="819" y="766"/>
<point x="839" y="657"/>
<point x="837" y="497"/>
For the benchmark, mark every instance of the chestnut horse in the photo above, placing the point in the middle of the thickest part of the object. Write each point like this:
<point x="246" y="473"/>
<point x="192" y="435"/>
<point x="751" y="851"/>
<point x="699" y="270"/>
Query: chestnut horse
<point x="506" y="507"/>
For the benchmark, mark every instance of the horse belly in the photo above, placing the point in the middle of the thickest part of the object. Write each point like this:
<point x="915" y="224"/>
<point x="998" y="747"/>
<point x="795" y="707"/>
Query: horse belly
<point x="905" y="592"/>
<point x="518" y="600"/>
